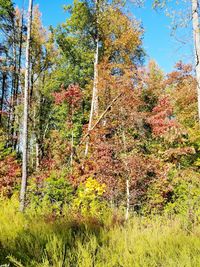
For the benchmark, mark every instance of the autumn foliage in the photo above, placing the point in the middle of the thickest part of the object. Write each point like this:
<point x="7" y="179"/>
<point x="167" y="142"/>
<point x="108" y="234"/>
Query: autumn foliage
<point x="144" y="136"/>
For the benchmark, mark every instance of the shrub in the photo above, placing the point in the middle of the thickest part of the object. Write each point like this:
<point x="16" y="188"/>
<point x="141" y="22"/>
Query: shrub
<point x="10" y="171"/>
<point x="89" y="197"/>
<point x="186" y="195"/>
<point x="51" y="194"/>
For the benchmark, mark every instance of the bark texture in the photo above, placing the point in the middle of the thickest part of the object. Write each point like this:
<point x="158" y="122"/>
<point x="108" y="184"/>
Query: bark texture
<point x="25" y="115"/>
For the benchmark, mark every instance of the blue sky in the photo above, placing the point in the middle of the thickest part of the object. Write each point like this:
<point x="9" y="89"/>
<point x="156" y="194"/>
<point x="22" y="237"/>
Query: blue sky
<point x="158" y="43"/>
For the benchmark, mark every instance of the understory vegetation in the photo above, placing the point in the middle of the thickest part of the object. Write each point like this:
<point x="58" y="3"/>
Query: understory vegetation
<point x="73" y="240"/>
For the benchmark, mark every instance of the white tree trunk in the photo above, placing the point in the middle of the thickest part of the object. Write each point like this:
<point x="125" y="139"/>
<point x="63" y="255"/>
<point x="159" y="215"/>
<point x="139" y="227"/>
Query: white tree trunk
<point x="94" y="104"/>
<point x="127" y="199"/>
<point x="95" y="85"/>
<point x="196" y="33"/>
<point x="37" y="156"/>
<point x="72" y="151"/>
<point x="96" y="61"/>
<point x="25" y="115"/>
<point x="127" y="179"/>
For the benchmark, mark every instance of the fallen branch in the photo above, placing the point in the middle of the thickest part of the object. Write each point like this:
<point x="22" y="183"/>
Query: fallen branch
<point x="101" y="117"/>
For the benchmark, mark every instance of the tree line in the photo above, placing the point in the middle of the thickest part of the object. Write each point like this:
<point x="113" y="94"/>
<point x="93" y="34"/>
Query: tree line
<point x="86" y="123"/>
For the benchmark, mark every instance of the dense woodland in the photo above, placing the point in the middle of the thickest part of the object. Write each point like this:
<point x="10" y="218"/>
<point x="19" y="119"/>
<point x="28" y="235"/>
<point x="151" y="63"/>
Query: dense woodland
<point x="99" y="151"/>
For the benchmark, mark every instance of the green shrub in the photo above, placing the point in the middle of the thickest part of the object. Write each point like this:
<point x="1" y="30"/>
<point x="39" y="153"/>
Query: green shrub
<point x="52" y="194"/>
<point x="186" y="195"/>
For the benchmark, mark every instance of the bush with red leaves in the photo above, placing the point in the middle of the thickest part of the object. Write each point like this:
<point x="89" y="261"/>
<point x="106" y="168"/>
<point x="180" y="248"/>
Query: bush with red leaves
<point x="162" y="120"/>
<point x="10" y="173"/>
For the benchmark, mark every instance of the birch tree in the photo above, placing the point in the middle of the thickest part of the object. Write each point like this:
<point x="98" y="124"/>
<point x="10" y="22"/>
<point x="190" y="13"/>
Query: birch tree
<point x="196" y="34"/>
<point x="94" y="103"/>
<point x="25" y="113"/>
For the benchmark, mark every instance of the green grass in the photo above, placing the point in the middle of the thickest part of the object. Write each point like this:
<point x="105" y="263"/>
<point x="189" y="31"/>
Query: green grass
<point x="33" y="240"/>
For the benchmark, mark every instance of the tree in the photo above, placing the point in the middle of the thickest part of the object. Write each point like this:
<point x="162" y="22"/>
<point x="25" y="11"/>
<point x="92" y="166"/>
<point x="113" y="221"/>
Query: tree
<point x="6" y="16"/>
<point x="121" y="39"/>
<point x="13" y="32"/>
<point x="25" y="114"/>
<point x="196" y="40"/>
<point x="196" y="34"/>
<point x="43" y="56"/>
<point x="95" y="102"/>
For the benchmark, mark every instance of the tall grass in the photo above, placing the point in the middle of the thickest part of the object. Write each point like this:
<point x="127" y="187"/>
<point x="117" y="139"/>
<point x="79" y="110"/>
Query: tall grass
<point x="32" y="240"/>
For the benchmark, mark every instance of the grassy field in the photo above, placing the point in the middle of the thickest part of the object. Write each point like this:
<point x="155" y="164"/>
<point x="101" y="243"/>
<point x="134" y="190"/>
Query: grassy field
<point x="30" y="240"/>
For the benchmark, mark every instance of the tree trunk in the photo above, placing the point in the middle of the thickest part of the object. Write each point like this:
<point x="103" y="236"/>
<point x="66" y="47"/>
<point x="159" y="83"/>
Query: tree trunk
<point x="37" y="156"/>
<point x="127" y="177"/>
<point x="16" y="132"/>
<point x="196" y="33"/>
<point x="25" y="117"/>
<point x="94" y="104"/>
<point x="127" y="199"/>
<point x="2" y="96"/>
<point x="36" y="159"/>
<point x="14" y="82"/>
<point x="72" y="151"/>
<point x="95" y="85"/>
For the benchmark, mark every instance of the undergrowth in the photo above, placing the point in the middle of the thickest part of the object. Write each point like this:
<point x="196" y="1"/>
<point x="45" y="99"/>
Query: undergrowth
<point x="72" y="240"/>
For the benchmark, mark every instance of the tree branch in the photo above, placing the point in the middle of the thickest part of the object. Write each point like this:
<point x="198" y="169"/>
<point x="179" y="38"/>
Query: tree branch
<point x="101" y="117"/>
